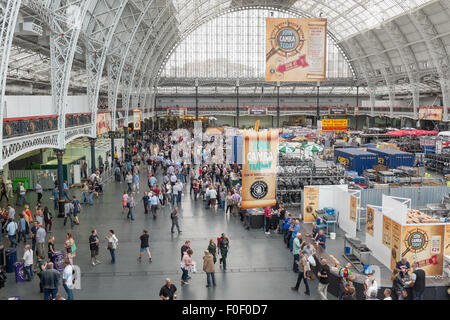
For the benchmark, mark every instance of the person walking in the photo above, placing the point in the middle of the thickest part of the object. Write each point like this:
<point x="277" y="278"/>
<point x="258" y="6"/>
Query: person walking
<point x="76" y="209"/>
<point x="136" y="182"/>
<point x="267" y="217"/>
<point x="324" y="281"/>
<point x="146" y="201"/>
<point x="50" y="281"/>
<point x="130" y="205"/>
<point x="168" y="291"/>
<point x="302" y="266"/>
<point x="47" y="219"/>
<point x="40" y="240"/>
<point x="51" y="247"/>
<point x="70" y="247"/>
<point x="28" y="262"/>
<point x="67" y="277"/>
<point x="23" y="229"/>
<point x="224" y="247"/>
<point x="154" y="201"/>
<point x="129" y="181"/>
<point x="174" y="217"/>
<point x="68" y="212"/>
<point x="212" y="248"/>
<point x="186" y="263"/>
<point x="124" y="202"/>
<point x="38" y="191"/>
<point x="297" y="245"/>
<point x="22" y="194"/>
<point x="145" y="246"/>
<point x="113" y="242"/>
<point x="93" y="246"/>
<point x="209" y="268"/>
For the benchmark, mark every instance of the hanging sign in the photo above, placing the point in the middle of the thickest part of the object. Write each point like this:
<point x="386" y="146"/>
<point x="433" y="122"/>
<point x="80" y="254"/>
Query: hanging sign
<point x="396" y="243"/>
<point x="387" y="231"/>
<point x="310" y="203"/>
<point x="370" y="216"/>
<point x="257" y="111"/>
<point x="259" y="170"/>
<point x="337" y="111"/>
<point x="137" y="119"/>
<point x="296" y="49"/>
<point x="334" y="125"/>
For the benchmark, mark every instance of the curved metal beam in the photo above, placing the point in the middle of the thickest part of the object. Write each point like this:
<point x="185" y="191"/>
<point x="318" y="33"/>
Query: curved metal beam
<point x="9" y="14"/>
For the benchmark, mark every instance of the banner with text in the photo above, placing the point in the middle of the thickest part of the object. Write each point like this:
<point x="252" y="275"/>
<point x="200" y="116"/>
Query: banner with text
<point x="430" y="114"/>
<point x="296" y="49"/>
<point x="310" y="203"/>
<point x="136" y="119"/>
<point x="370" y="220"/>
<point x="259" y="170"/>
<point x="103" y="123"/>
<point x="334" y="125"/>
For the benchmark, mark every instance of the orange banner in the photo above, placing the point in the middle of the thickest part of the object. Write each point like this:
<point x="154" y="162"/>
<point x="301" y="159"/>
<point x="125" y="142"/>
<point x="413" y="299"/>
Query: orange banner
<point x="387" y="232"/>
<point x="103" y="123"/>
<point x="396" y="243"/>
<point x="353" y="208"/>
<point x="370" y="217"/>
<point x="310" y="203"/>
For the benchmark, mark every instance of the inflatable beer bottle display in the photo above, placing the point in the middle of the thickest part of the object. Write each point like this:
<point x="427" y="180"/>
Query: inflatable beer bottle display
<point x="259" y="169"/>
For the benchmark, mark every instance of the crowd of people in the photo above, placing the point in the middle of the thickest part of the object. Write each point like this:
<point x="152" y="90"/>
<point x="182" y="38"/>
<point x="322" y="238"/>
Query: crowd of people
<point x="166" y="182"/>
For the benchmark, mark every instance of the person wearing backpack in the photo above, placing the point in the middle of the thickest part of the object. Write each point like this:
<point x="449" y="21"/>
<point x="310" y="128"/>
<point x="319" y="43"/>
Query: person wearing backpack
<point x="76" y="209"/>
<point x="68" y="212"/>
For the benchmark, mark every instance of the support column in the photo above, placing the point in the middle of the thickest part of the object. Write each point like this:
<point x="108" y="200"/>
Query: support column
<point x="61" y="199"/>
<point x="278" y="104"/>
<point x="237" y="104"/>
<point x="196" y="100"/>
<point x="357" y="96"/>
<point x="93" y="167"/>
<point x="372" y="102"/>
<point x="112" y="147"/>
<point x="125" y="143"/>
<point x="318" y="103"/>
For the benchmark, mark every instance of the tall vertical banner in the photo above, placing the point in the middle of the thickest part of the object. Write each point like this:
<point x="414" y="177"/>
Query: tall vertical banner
<point x="310" y="203"/>
<point x="387" y="232"/>
<point x="296" y="49"/>
<point x="424" y="244"/>
<point x="396" y="243"/>
<point x="447" y="241"/>
<point x="259" y="169"/>
<point x="370" y="217"/>
<point x="353" y="207"/>
<point x="136" y="119"/>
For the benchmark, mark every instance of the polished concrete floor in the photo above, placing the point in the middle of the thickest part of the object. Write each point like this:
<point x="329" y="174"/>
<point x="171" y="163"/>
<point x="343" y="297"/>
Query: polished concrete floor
<point x="258" y="266"/>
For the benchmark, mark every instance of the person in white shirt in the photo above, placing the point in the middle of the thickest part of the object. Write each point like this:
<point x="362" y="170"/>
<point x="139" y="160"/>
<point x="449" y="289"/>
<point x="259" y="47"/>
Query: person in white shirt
<point x="67" y="277"/>
<point x="387" y="294"/>
<point x="11" y="212"/>
<point x="212" y="196"/>
<point x="176" y="193"/>
<point x="370" y="285"/>
<point x="11" y="228"/>
<point x="28" y="263"/>
<point x="154" y="204"/>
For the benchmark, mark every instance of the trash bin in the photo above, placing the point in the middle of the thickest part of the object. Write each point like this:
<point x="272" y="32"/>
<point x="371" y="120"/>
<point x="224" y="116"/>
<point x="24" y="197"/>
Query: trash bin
<point x="2" y="256"/>
<point x="20" y="272"/>
<point x="347" y="250"/>
<point x="11" y="258"/>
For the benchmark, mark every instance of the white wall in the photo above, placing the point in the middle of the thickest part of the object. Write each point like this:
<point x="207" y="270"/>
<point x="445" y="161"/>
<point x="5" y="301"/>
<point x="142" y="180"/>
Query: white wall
<point x="29" y="106"/>
<point x="394" y="209"/>
<point x="375" y="243"/>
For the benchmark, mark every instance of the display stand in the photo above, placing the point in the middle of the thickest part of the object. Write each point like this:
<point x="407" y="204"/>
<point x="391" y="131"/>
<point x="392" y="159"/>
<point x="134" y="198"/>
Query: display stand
<point x="359" y="254"/>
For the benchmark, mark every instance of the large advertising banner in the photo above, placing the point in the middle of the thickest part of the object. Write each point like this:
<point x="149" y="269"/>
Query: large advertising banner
<point x="310" y="203"/>
<point x="370" y="218"/>
<point x="353" y="207"/>
<point x="387" y="231"/>
<point x="103" y="123"/>
<point x="259" y="169"/>
<point x="424" y="244"/>
<point x="447" y="241"/>
<point x="430" y="114"/>
<point x="137" y="119"/>
<point x="396" y="243"/>
<point x="334" y="125"/>
<point x="296" y="49"/>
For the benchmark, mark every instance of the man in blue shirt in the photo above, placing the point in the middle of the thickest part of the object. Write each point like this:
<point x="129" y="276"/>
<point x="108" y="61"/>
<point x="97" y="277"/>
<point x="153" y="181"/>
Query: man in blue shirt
<point x="145" y="199"/>
<point x="66" y="190"/>
<point x="286" y="226"/>
<point x="295" y="229"/>
<point x="321" y="239"/>
<point x="55" y="194"/>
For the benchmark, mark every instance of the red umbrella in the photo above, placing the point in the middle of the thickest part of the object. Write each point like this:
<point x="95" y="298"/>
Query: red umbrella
<point x="397" y="133"/>
<point x="432" y="132"/>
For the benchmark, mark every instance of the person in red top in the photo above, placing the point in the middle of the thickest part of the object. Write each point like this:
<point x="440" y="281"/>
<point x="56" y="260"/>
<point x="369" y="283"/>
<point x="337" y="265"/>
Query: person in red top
<point x="195" y="187"/>
<point x="156" y="190"/>
<point x="267" y="217"/>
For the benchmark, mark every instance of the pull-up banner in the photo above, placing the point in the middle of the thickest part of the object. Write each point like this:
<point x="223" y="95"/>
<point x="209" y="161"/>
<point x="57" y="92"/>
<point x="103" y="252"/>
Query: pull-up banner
<point x="259" y="170"/>
<point x="296" y="49"/>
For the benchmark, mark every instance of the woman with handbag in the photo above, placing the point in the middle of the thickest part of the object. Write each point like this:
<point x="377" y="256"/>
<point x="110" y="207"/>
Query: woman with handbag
<point x="212" y="248"/>
<point x="186" y="264"/>
<point x="112" y="245"/>
<point x="70" y="247"/>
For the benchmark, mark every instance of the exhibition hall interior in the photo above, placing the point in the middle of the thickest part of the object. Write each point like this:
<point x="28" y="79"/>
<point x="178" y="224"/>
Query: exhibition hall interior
<point x="225" y="150"/>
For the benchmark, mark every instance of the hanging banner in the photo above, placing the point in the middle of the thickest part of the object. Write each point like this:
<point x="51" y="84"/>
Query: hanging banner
<point x="387" y="231"/>
<point x="259" y="170"/>
<point x="430" y="114"/>
<point x="310" y="203"/>
<point x="353" y="207"/>
<point x="334" y="125"/>
<point x="447" y="240"/>
<point x="136" y="119"/>
<point x="296" y="49"/>
<point x="396" y="243"/>
<point x="103" y="123"/>
<point x="337" y="111"/>
<point x="356" y="111"/>
<point x="257" y="111"/>
<point x="370" y="216"/>
<point x="424" y="244"/>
